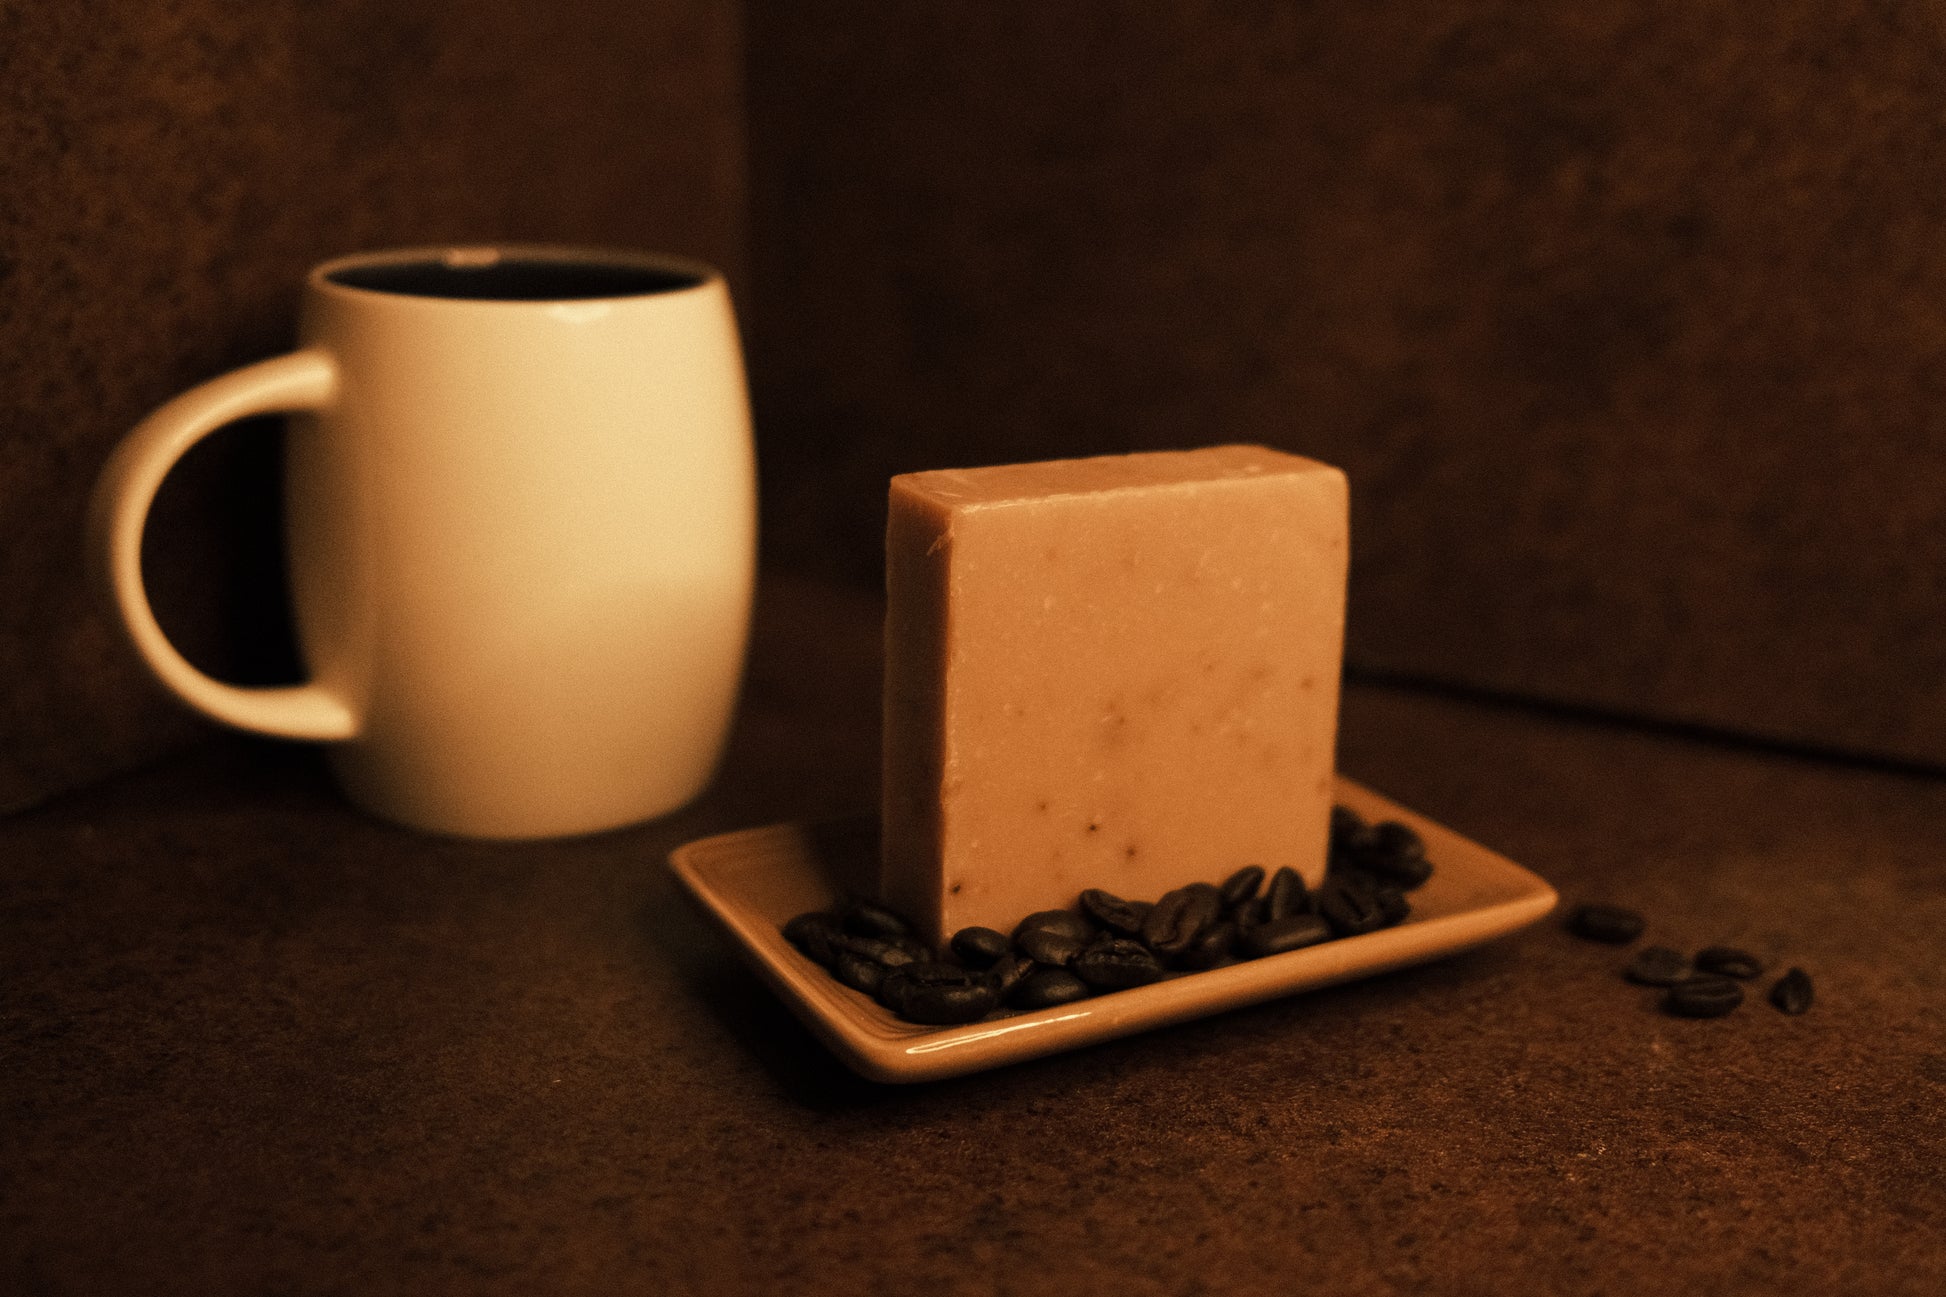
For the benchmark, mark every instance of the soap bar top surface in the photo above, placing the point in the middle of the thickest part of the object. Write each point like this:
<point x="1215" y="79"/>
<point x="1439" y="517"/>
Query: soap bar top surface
<point x="1118" y="672"/>
<point x="1046" y="480"/>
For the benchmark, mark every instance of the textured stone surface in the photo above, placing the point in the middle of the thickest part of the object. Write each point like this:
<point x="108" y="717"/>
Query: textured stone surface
<point x="1627" y="320"/>
<point x="256" y="1043"/>
<point x="171" y="167"/>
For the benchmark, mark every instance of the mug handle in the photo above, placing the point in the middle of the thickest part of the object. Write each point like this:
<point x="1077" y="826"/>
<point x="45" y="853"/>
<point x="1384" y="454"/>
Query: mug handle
<point x="302" y="380"/>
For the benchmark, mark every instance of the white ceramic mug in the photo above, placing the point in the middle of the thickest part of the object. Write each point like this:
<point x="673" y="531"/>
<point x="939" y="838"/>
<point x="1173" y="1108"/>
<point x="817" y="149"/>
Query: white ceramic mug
<point x="521" y="510"/>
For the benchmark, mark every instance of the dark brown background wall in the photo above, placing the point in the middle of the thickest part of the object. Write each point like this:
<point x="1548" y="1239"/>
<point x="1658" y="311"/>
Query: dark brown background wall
<point x="169" y="168"/>
<point x="1627" y="318"/>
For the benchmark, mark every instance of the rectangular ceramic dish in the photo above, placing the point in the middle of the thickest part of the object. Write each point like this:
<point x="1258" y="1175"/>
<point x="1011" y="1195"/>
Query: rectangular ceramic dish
<point x="756" y="880"/>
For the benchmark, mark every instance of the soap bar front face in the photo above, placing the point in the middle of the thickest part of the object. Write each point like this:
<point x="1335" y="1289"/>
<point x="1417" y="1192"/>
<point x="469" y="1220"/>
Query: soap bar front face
<point x="1117" y="672"/>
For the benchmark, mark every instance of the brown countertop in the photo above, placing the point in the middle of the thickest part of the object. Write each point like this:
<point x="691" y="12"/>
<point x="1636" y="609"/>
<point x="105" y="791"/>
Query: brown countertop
<point x="253" y="1042"/>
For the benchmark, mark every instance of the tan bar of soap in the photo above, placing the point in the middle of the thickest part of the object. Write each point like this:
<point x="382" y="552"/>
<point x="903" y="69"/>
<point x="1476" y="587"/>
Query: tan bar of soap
<point x="1118" y="672"/>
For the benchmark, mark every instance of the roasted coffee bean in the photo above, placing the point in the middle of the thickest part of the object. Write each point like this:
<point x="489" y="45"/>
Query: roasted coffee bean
<point x="814" y="934"/>
<point x="858" y="972"/>
<point x="1349" y="875"/>
<point x="1114" y="913"/>
<point x="937" y="994"/>
<point x="1393" y="906"/>
<point x="1606" y="923"/>
<point x="1396" y="854"/>
<point x="1379" y="844"/>
<point x="1347" y="827"/>
<point x="940" y="973"/>
<point x="1292" y="932"/>
<point x="1212" y="946"/>
<point x="1285" y="896"/>
<point x="942" y="1006"/>
<point x="901" y="980"/>
<point x="1180" y="917"/>
<point x="978" y="947"/>
<point x="1792" y="992"/>
<point x="884" y="953"/>
<point x="1046" y="987"/>
<point x="1046" y="946"/>
<point x="1707" y="995"/>
<point x="1240" y="888"/>
<point x="864" y="918"/>
<point x="1008" y="971"/>
<point x="1399" y="838"/>
<point x="1419" y="875"/>
<point x="1067" y="922"/>
<point x="1657" y="966"/>
<point x="1397" y="841"/>
<point x="1116" y="962"/>
<point x="1351" y="908"/>
<point x="1730" y="962"/>
<point x="1351" y="835"/>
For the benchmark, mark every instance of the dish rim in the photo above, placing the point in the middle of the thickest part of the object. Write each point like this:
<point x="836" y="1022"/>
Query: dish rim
<point x="877" y="1045"/>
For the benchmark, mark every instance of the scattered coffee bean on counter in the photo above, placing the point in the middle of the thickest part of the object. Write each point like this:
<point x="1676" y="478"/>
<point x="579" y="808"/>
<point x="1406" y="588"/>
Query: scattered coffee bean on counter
<point x="1792" y="992"/>
<point x="1706" y="995"/>
<point x="1729" y="961"/>
<point x="1108" y="943"/>
<point x="1610" y="924"/>
<point x="1657" y="966"/>
<point x="1705" y="985"/>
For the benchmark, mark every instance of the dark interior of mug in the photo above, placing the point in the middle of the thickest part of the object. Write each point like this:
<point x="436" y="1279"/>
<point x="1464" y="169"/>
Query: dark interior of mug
<point x="514" y="279"/>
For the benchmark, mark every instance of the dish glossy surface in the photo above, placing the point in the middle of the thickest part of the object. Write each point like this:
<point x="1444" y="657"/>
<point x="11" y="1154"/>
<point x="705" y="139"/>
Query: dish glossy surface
<point x="755" y="880"/>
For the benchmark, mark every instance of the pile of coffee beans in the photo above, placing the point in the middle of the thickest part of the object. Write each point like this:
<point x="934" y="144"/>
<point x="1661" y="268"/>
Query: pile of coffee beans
<point x="1108" y="943"/>
<point x="1707" y="984"/>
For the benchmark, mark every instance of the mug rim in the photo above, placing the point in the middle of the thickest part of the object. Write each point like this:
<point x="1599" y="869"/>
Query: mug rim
<point x="321" y="277"/>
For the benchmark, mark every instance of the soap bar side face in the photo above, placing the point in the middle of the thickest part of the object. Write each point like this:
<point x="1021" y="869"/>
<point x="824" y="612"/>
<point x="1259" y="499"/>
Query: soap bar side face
<point x="1130" y="687"/>
<point x="918" y="542"/>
